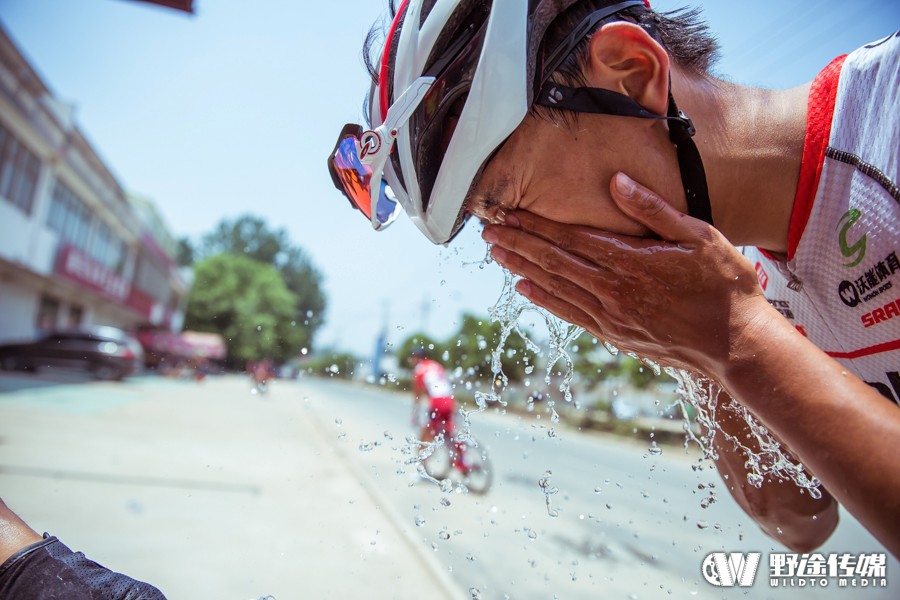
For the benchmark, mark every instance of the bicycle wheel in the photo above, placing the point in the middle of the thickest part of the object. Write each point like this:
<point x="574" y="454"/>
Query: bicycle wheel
<point x="438" y="464"/>
<point x="476" y="469"/>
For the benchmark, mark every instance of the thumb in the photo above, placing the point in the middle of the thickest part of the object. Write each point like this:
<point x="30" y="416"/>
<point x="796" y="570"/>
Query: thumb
<point x="653" y="211"/>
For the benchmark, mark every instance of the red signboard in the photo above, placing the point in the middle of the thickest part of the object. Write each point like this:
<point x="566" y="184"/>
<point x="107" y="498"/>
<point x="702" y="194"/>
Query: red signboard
<point x="75" y="265"/>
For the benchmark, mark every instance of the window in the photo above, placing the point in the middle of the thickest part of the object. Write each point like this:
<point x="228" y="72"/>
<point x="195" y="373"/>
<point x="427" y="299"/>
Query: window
<point x="48" y="310"/>
<point x="107" y="249"/>
<point x="76" y="315"/>
<point x="152" y="279"/>
<point x="69" y="216"/>
<point x="19" y="171"/>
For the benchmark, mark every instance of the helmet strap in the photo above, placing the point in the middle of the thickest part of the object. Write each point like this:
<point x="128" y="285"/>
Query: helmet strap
<point x="681" y="131"/>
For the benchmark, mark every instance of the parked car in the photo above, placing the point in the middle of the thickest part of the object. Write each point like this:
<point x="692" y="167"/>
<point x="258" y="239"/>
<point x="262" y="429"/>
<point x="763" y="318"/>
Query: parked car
<point x="105" y="352"/>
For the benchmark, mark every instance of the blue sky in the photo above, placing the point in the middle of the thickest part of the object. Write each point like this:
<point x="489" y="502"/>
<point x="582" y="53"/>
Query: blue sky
<point x="235" y="109"/>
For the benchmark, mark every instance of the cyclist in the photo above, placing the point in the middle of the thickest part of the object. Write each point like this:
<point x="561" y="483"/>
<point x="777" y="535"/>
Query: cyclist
<point x="473" y="111"/>
<point x="431" y="386"/>
<point x="261" y="373"/>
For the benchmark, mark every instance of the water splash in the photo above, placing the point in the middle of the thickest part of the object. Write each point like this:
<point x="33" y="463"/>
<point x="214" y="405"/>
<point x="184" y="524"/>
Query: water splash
<point x="693" y="390"/>
<point x="508" y="312"/>
<point x="703" y="395"/>
<point x="549" y="490"/>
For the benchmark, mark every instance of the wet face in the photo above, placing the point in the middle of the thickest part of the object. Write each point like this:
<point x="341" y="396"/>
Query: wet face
<point x="562" y="172"/>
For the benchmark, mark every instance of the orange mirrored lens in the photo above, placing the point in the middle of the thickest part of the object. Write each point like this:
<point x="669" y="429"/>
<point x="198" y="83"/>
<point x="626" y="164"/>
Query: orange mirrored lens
<point x="354" y="175"/>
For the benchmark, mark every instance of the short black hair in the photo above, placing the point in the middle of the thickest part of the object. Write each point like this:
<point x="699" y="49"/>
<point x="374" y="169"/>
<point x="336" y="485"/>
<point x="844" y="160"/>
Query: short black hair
<point x="683" y="33"/>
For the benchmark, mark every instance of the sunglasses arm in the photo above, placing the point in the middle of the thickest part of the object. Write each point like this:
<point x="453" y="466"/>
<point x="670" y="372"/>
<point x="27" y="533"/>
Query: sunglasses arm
<point x="375" y="145"/>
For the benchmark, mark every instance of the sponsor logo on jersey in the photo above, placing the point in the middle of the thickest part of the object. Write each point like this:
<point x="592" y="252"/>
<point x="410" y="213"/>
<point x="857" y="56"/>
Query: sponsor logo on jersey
<point x="855" y="251"/>
<point x="871" y="284"/>
<point x="783" y="307"/>
<point x="762" y="276"/>
<point x="880" y="315"/>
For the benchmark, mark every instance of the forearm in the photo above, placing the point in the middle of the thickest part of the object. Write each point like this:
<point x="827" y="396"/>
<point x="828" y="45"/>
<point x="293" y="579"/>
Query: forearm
<point x="15" y="534"/>
<point x="837" y="425"/>
<point x="784" y="512"/>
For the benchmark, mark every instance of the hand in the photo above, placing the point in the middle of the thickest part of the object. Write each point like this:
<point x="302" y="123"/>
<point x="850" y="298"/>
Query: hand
<point x="682" y="300"/>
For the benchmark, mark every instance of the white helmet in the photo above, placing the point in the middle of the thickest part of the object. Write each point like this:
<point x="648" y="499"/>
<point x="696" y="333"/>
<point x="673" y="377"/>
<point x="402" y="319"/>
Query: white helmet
<point x="455" y="79"/>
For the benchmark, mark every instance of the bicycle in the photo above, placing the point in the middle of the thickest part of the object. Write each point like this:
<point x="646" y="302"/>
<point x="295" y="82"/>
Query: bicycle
<point x="471" y="466"/>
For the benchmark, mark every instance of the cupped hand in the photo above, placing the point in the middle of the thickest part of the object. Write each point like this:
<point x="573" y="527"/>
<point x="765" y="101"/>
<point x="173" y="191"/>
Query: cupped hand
<point x="683" y="299"/>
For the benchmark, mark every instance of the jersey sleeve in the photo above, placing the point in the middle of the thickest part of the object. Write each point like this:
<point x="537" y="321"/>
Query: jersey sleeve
<point x="48" y="570"/>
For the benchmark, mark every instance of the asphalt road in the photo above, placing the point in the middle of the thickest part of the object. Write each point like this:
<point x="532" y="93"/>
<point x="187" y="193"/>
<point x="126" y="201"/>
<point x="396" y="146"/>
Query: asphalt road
<point x="220" y="493"/>
<point x="628" y="523"/>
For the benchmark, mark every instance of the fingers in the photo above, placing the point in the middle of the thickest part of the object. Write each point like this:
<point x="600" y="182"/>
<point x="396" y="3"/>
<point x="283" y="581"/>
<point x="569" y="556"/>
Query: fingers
<point x="654" y="212"/>
<point x="551" y="267"/>
<point x="591" y="244"/>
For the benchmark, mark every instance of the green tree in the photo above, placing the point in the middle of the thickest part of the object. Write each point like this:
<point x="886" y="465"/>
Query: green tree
<point x="591" y="360"/>
<point x="248" y="303"/>
<point x="419" y="341"/>
<point x="184" y="256"/>
<point x="471" y="349"/>
<point x="251" y="237"/>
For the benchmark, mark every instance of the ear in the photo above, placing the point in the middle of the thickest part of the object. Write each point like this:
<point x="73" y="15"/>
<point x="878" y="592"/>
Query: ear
<point x="625" y="59"/>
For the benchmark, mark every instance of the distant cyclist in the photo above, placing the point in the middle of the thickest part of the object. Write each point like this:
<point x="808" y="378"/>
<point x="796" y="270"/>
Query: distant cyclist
<point x="431" y="385"/>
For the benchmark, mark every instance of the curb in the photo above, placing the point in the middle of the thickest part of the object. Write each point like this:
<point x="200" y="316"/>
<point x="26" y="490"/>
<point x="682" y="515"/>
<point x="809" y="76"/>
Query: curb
<point x="442" y="581"/>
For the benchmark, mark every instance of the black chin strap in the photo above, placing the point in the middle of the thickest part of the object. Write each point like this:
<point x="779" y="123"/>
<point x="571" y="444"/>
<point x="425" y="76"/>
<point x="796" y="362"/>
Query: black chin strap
<point x="681" y="130"/>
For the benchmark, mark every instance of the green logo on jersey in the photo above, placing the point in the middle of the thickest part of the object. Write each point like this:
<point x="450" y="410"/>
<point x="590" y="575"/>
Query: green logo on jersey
<point x="856" y="251"/>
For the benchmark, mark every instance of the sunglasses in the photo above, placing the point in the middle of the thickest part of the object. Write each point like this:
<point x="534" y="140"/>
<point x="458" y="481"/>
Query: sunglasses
<point x="357" y="162"/>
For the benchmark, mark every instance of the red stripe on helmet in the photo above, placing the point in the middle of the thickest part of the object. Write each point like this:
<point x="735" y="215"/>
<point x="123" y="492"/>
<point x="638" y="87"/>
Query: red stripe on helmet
<point x="384" y="97"/>
<point x="647" y="4"/>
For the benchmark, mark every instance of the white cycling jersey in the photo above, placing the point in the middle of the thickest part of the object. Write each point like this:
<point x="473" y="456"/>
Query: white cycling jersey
<point x="840" y="284"/>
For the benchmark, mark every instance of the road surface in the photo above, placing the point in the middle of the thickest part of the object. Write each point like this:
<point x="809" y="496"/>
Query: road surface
<point x="209" y="490"/>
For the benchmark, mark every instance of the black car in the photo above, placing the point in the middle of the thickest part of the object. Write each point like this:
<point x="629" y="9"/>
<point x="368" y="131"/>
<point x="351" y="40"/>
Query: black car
<point x="105" y="352"/>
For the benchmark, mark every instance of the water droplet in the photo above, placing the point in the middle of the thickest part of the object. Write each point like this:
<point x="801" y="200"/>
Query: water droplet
<point x="654" y="450"/>
<point x="420" y="520"/>
<point x="702" y="524"/>
<point x="338" y="421"/>
<point x="470" y="557"/>
<point x="444" y="535"/>
<point x="366" y="447"/>
<point x="388" y="436"/>
<point x="445" y="502"/>
<point x="755" y="479"/>
<point x="532" y="534"/>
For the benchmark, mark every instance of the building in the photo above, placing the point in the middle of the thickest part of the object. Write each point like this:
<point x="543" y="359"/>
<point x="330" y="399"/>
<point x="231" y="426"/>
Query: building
<point x="75" y="249"/>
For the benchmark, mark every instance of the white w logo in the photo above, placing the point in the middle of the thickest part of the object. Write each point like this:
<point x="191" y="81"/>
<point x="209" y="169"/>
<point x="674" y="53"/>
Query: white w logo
<point x="726" y="570"/>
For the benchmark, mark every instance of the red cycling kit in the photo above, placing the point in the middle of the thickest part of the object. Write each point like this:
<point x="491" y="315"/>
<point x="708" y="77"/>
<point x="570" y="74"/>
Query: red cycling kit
<point x="430" y="378"/>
